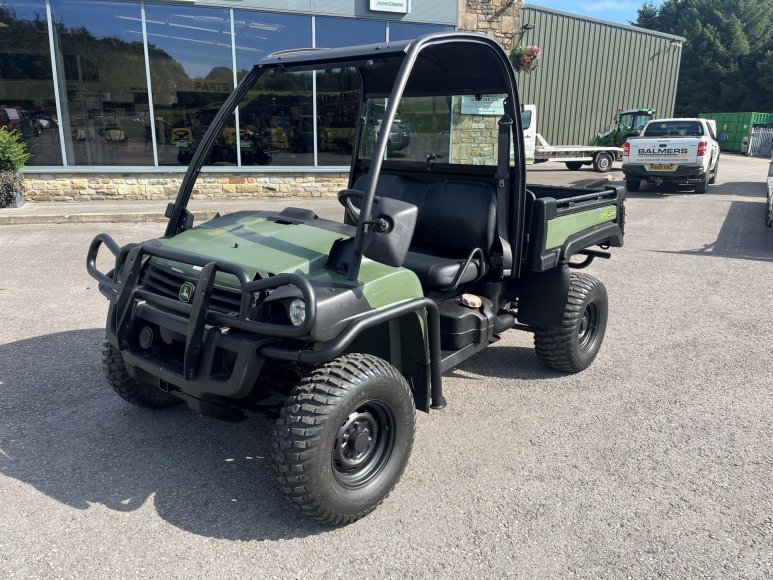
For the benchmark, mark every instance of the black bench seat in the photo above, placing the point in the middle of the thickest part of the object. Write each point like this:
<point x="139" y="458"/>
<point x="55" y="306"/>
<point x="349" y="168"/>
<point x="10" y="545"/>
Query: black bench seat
<point x="455" y="217"/>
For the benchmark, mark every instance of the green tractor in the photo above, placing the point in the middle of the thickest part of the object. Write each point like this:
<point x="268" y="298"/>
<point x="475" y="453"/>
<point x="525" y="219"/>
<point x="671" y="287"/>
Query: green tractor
<point x="627" y="124"/>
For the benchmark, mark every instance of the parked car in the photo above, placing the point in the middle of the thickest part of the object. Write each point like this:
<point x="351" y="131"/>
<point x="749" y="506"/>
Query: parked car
<point x="399" y="136"/>
<point x="673" y="150"/>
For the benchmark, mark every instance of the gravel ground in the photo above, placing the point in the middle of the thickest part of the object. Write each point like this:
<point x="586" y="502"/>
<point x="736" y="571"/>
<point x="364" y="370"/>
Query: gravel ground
<point x="656" y="461"/>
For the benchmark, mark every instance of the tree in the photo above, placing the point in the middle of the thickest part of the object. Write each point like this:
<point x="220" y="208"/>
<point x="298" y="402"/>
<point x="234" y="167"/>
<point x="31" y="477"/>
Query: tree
<point x="727" y="58"/>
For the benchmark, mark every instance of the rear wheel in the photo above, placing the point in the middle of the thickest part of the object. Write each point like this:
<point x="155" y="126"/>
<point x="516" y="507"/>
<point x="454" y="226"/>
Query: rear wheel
<point x="603" y="162"/>
<point x="632" y="184"/>
<point x="129" y="389"/>
<point x="573" y="165"/>
<point x="713" y="179"/>
<point x="574" y="346"/>
<point x="703" y="185"/>
<point x="343" y="438"/>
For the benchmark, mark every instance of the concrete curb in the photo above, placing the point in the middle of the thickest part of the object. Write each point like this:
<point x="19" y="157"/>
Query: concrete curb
<point x="94" y="218"/>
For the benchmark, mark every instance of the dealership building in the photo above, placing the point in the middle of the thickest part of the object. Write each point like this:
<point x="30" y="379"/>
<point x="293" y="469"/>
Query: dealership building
<point x="113" y="96"/>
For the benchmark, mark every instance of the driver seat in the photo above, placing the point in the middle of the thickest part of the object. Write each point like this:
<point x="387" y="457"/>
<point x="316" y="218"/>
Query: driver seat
<point x="456" y="224"/>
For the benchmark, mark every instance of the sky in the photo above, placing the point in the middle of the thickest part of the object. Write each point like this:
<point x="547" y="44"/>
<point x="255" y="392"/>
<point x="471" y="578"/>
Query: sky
<point x="622" y="11"/>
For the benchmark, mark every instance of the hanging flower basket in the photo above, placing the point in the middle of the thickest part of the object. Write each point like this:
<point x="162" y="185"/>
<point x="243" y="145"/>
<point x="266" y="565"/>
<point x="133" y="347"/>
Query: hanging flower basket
<point x="526" y="58"/>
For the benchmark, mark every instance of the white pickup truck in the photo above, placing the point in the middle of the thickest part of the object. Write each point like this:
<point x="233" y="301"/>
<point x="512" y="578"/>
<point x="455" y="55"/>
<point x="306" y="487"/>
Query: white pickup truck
<point x="675" y="150"/>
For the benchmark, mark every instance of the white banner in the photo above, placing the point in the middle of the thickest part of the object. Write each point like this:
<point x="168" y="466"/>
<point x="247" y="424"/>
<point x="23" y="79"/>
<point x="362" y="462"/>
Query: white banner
<point x="400" y="6"/>
<point x="487" y="105"/>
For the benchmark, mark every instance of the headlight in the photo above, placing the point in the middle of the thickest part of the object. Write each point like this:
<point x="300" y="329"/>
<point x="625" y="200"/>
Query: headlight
<point x="297" y="312"/>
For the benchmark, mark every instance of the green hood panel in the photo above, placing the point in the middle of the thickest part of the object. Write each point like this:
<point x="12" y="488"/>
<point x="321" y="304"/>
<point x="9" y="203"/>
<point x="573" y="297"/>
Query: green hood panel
<point x="258" y="245"/>
<point x="263" y="246"/>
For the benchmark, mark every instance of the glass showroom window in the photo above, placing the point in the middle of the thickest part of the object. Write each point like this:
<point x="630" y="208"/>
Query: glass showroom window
<point x="103" y="83"/>
<point x="27" y="101"/>
<point x="276" y="118"/>
<point x="338" y="90"/>
<point x="191" y="74"/>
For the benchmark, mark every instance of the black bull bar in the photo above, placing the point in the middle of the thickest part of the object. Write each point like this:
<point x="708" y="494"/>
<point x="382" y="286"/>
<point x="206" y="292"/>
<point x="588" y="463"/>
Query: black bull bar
<point x="122" y="288"/>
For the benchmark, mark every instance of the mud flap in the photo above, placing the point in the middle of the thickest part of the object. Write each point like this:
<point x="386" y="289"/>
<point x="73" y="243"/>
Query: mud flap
<point x="543" y="296"/>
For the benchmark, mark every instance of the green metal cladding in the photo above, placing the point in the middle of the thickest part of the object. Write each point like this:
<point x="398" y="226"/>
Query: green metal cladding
<point x="590" y="68"/>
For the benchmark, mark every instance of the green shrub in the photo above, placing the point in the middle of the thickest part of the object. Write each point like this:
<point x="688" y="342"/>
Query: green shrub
<point x="13" y="156"/>
<point x="13" y="151"/>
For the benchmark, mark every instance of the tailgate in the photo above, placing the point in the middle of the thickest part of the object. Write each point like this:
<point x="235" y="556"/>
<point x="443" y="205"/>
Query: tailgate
<point x="663" y="154"/>
<point x="565" y="221"/>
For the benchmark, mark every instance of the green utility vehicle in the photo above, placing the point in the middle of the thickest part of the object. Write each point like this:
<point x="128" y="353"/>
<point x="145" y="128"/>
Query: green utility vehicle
<point x="627" y="124"/>
<point x="343" y="329"/>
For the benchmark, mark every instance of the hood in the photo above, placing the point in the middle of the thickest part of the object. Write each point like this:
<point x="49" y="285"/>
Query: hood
<point x="261" y="245"/>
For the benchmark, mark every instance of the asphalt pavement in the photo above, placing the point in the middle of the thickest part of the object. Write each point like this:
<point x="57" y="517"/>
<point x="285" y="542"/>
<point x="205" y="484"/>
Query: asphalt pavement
<point x="654" y="462"/>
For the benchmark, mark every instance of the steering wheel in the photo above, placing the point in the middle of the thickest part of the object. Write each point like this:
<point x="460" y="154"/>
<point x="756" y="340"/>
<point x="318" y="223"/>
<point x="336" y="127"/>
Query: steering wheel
<point x="345" y="197"/>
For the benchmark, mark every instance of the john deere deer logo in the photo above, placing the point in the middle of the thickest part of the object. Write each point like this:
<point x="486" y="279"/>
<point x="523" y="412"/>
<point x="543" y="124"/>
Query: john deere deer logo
<point x="186" y="292"/>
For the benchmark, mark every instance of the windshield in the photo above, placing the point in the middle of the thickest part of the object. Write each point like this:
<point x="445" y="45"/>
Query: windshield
<point x="674" y="129"/>
<point x="460" y="129"/>
<point x="634" y="121"/>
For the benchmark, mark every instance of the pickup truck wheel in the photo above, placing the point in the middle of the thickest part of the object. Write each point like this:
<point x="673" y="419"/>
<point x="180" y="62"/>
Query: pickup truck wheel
<point x="603" y="162"/>
<point x="343" y="438"/>
<point x="129" y="389"/>
<point x="573" y="165"/>
<point x="703" y="185"/>
<point x="573" y="347"/>
<point x="632" y="185"/>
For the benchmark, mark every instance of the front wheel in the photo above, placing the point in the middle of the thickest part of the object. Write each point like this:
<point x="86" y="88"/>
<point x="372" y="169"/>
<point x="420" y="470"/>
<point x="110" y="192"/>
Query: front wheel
<point x="603" y="162"/>
<point x="343" y="438"/>
<point x="574" y="346"/>
<point x="128" y="388"/>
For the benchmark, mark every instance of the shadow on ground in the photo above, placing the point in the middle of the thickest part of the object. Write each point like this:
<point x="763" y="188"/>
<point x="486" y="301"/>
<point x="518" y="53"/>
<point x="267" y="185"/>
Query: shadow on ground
<point x="743" y="236"/>
<point x="507" y="362"/>
<point x="64" y="432"/>
<point x="755" y="189"/>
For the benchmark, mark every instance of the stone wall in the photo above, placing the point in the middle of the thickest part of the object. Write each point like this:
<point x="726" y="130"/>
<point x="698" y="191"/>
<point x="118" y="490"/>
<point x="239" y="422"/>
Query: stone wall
<point x="474" y="138"/>
<point x="500" y="19"/>
<point x="110" y="187"/>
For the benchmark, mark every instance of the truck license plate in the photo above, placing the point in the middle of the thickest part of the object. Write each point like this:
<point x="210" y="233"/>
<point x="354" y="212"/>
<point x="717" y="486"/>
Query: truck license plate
<point x="662" y="167"/>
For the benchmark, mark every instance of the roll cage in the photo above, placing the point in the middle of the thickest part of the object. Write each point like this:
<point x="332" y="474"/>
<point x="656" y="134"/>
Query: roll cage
<point x="441" y="64"/>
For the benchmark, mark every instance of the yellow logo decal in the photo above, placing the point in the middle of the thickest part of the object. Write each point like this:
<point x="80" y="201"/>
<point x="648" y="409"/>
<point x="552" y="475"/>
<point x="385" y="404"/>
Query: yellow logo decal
<point x="609" y="213"/>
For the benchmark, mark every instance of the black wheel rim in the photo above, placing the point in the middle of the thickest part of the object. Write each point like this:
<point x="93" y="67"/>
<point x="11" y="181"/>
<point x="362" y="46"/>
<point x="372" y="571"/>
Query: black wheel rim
<point x="363" y="445"/>
<point x="589" y="326"/>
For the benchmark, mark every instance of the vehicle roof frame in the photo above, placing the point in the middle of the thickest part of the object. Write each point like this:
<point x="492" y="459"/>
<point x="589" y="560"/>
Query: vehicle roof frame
<point x="367" y="59"/>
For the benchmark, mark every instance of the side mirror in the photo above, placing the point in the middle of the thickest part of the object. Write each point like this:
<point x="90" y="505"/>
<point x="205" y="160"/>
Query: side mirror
<point x="391" y="231"/>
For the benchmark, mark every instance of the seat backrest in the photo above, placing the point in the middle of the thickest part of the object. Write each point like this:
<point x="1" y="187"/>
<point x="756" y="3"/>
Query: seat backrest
<point x="454" y="216"/>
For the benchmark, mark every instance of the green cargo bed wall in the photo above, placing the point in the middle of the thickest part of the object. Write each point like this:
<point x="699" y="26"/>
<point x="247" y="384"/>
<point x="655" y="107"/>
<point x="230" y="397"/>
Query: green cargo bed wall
<point x="590" y="68"/>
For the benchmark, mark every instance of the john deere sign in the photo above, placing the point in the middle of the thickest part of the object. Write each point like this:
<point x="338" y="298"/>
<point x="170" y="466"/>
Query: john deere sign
<point x="400" y="6"/>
